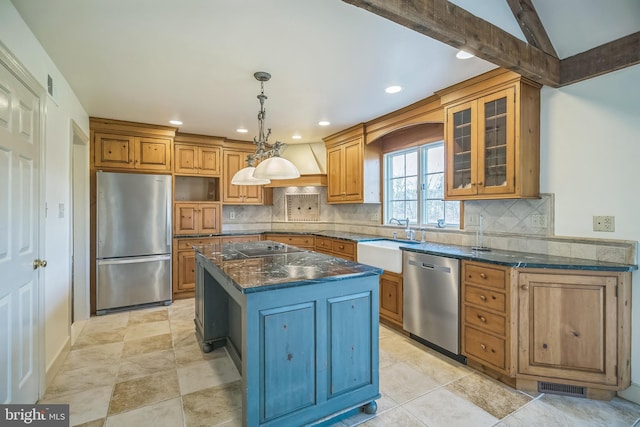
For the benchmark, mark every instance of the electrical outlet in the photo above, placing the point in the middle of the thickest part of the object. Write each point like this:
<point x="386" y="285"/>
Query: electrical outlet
<point x="604" y="223"/>
<point x="60" y="210"/>
<point x="473" y="219"/>
<point x="232" y="215"/>
<point x="539" y="221"/>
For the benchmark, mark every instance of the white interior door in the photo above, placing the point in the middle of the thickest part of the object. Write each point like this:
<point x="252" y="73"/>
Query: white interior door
<point x="19" y="238"/>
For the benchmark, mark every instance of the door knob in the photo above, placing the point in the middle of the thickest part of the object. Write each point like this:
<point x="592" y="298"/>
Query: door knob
<point x="39" y="263"/>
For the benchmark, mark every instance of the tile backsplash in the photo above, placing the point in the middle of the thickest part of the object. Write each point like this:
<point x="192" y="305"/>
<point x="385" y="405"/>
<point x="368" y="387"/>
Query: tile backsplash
<point x="524" y="225"/>
<point x="514" y="216"/>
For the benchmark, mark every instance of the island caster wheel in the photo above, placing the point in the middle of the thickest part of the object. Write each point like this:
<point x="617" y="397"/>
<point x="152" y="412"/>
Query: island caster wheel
<point x="207" y="347"/>
<point x="370" y="408"/>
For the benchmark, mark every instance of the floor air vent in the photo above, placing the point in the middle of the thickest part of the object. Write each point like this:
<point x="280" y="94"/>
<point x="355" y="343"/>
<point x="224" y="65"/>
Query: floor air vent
<point x="563" y="389"/>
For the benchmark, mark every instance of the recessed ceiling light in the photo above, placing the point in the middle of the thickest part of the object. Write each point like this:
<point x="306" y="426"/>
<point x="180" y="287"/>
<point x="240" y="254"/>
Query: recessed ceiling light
<point x="324" y="123"/>
<point x="175" y="122"/>
<point x="241" y="130"/>
<point x="296" y="137"/>
<point x="464" y="55"/>
<point x="393" y="89"/>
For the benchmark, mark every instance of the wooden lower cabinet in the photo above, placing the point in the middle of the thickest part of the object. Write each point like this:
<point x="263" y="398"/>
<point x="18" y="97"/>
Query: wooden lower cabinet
<point x="560" y="328"/>
<point x="336" y="247"/>
<point x="575" y="328"/>
<point x="241" y="238"/>
<point x="486" y="317"/>
<point x="302" y="241"/>
<point x="184" y="264"/>
<point x="391" y="297"/>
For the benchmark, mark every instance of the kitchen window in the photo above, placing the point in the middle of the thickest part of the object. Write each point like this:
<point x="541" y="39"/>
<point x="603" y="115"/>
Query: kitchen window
<point x="414" y="187"/>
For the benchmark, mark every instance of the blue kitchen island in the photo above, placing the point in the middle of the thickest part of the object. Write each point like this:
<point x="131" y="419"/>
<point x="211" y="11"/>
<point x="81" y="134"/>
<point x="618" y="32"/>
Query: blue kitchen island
<point x="300" y="326"/>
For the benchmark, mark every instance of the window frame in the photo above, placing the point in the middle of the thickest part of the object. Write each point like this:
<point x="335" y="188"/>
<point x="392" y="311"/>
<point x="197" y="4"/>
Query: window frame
<point x="421" y="196"/>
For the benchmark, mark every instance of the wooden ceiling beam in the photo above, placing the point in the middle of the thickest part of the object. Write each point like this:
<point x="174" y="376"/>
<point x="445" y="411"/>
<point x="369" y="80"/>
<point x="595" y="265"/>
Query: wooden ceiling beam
<point x="603" y="59"/>
<point x="531" y="26"/>
<point x="452" y="25"/>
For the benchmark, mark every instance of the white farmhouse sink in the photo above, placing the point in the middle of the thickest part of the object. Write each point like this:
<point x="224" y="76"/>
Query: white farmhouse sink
<point x="385" y="254"/>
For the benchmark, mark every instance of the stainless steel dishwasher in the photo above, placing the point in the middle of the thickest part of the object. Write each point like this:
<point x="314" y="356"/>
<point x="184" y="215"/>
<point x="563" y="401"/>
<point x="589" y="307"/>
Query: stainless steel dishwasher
<point x="431" y="301"/>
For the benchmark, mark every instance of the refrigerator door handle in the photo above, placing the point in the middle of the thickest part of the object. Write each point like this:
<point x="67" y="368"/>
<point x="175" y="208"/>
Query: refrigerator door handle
<point x="169" y="216"/>
<point x="133" y="260"/>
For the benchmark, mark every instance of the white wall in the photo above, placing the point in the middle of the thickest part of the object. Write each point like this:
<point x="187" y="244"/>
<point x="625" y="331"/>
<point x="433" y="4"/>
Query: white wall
<point x="590" y="159"/>
<point x="60" y="111"/>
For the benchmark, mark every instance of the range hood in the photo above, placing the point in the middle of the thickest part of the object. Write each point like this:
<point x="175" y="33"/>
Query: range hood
<point x="311" y="161"/>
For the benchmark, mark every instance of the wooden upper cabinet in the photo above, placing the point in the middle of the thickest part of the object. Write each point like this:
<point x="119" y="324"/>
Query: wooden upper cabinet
<point x="234" y="159"/>
<point x="353" y="168"/>
<point x="197" y="218"/>
<point x="492" y="137"/>
<point x="197" y="155"/>
<point x="114" y="151"/>
<point x="119" y="145"/>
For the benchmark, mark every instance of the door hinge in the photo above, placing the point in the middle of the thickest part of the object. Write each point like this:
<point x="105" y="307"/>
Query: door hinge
<point x="616" y="291"/>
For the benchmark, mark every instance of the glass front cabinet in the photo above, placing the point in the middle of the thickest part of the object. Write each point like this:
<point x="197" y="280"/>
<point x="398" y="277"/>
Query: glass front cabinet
<point x="492" y="141"/>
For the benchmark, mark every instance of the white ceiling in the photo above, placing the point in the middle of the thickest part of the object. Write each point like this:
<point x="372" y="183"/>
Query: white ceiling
<point x="154" y="60"/>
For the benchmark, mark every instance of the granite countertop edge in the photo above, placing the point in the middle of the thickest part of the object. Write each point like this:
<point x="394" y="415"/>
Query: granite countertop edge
<point x="332" y="267"/>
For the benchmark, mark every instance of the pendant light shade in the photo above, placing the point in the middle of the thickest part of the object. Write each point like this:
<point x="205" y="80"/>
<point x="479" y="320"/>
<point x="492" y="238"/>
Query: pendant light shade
<point x="271" y="165"/>
<point x="245" y="177"/>
<point x="276" y="168"/>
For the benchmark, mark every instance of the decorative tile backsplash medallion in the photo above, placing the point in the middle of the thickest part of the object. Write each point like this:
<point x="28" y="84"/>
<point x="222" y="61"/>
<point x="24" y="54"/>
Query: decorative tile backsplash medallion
<point x="303" y="207"/>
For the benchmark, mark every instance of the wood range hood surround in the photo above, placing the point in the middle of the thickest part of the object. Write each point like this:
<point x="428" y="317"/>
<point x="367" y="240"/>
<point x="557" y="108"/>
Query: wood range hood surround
<point x="311" y="161"/>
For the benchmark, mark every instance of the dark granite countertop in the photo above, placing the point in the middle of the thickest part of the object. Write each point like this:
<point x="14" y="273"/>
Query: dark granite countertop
<point x="516" y="259"/>
<point x="507" y="258"/>
<point x="251" y="272"/>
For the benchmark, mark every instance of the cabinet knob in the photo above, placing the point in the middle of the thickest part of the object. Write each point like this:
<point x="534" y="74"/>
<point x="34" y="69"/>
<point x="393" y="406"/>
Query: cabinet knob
<point x="480" y="183"/>
<point x="482" y="346"/>
<point x="482" y="319"/>
<point x="341" y="247"/>
<point x="524" y="287"/>
<point x="484" y="276"/>
<point x="483" y="298"/>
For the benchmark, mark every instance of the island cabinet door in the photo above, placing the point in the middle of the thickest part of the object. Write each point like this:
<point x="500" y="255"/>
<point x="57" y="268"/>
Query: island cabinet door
<point x="350" y="352"/>
<point x="289" y="355"/>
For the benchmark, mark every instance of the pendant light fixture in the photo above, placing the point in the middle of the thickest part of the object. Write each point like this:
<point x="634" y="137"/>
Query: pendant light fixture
<point x="271" y="165"/>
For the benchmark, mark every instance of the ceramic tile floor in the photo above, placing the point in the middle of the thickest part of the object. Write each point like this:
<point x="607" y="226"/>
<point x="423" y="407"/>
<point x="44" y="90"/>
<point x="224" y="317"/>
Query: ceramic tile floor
<point x="145" y="368"/>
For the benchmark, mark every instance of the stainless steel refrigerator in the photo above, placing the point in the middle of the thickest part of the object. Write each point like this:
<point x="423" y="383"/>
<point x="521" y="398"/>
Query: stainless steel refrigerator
<point x="133" y="253"/>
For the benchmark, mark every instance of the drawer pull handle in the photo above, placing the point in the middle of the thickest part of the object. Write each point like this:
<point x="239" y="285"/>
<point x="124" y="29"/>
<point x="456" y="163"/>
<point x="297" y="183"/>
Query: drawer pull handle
<point x="482" y="319"/>
<point x="525" y="287"/>
<point x="482" y="346"/>
<point x="484" y="276"/>
<point x="483" y="298"/>
<point x="341" y="247"/>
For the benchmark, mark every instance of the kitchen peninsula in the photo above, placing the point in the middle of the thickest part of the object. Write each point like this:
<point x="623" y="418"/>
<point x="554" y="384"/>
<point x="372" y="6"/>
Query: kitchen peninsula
<point x="300" y="326"/>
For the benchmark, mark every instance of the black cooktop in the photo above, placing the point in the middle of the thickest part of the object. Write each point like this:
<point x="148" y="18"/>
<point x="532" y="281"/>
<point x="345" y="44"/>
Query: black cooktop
<point x="269" y="250"/>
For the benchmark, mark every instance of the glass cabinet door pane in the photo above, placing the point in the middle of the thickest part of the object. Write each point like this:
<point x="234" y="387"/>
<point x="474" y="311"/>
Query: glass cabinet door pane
<point x="462" y="149"/>
<point x="495" y="143"/>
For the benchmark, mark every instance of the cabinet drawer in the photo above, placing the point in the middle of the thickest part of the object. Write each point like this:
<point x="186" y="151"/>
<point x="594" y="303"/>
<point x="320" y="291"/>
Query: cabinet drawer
<point x="301" y="241"/>
<point x="484" y="347"/>
<point x="241" y="238"/>
<point x="323" y="243"/>
<point x="188" y="243"/>
<point x="485" y="320"/>
<point x="485" y="276"/>
<point x="348" y="249"/>
<point x="485" y="298"/>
